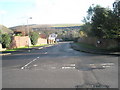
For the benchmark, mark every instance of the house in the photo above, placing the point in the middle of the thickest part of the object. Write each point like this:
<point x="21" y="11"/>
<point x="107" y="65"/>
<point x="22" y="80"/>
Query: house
<point x="52" y="38"/>
<point x="42" y="39"/>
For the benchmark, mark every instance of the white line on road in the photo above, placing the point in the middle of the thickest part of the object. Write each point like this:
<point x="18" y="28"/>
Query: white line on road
<point x="105" y="64"/>
<point x="45" y="53"/>
<point x="40" y="48"/>
<point x="35" y="65"/>
<point x="68" y="67"/>
<point x="72" y="64"/>
<point x="38" y="57"/>
<point x="28" y="63"/>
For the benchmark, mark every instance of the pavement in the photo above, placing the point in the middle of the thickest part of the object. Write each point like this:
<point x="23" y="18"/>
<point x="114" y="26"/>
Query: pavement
<point x="93" y="51"/>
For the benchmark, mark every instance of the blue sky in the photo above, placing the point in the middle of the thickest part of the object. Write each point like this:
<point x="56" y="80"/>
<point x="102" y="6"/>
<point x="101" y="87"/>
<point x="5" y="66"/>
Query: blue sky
<point x="17" y="12"/>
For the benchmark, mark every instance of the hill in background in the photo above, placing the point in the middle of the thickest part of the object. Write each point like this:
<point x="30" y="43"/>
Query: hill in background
<point x="4" y="30"/>
<point x="44" y="27"/>
<point x="63" y="30"/>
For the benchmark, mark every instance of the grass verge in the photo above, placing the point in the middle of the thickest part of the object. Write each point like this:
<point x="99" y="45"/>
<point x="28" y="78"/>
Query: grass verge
<point x="92" y="47"/>
<point x="15" y="49"/>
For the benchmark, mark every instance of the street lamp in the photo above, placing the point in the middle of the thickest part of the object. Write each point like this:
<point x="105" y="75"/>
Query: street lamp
<point x="28" y="31"/>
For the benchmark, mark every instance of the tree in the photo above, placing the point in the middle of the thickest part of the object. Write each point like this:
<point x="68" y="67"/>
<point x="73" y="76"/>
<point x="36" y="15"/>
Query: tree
<point x="116" y="7"/>
<point x="90" y="13"/>
<point x="104" y="23"/>
<point x="99" y="21"/>
<point x="6" y="40"/>
<point x="86" y="29"/>
<point x="34" y="37"/>
<point x="116" y="11"/>
<point x="0" y="37"/>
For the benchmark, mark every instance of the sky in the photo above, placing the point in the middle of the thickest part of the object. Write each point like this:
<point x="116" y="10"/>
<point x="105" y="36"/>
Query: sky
<point x="17" y="12"/>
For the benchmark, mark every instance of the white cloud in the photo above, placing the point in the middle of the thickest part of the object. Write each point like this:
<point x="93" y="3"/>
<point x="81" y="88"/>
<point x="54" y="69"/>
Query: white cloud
<point x="15" y="1"/>
<point x="63" y="11"/>
<point x="56" y="11"/>
<point x="2" y="12"/>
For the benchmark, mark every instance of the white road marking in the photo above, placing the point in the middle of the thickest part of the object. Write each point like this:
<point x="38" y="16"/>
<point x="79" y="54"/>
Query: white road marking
<point x="105" y="64"/>
<point x="28" y="50"/>
<point x="45" y="53"/>
<point x="53" y="67"/>
<point x="92" y="64"/>
<point x="72" y="64"/>
<point x="28" y="64"/>
<point x="38" y="57"/>
<point x="68" y="67"/>
<point x="35" y="65"/>
<point x="40" y="47"/>
<point x="70" y="49"/>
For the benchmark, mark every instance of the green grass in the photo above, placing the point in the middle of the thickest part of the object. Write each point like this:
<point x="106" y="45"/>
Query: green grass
<point x="89" y="46"/>
<point x="92" y="47"/>
<point x="15" y="49"/>
<point x="38" y="45"/>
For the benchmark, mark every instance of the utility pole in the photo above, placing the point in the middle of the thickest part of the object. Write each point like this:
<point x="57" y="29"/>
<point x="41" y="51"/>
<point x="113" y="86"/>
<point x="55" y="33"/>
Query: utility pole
<point x="28" y="31"/>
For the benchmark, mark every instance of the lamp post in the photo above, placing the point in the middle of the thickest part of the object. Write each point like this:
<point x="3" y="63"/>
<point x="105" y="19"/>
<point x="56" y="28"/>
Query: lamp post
<point x="28" y="31"/>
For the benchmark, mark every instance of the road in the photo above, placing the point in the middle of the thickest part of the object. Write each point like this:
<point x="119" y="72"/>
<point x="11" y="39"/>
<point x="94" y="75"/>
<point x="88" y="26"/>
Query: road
<point x="59" y="66"/>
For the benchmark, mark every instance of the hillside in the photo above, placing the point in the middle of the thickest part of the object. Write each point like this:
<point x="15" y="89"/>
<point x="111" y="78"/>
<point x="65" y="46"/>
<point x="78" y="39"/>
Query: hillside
<point x="44" y="27"/>
<point x="62" y="30"/>
<point x="65" y="25"/>
<point x="4" y="30"/>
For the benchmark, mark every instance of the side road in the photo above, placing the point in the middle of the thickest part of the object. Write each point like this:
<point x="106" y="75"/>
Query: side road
<point x="94" y="51"/>
<point x="24" y="50"/>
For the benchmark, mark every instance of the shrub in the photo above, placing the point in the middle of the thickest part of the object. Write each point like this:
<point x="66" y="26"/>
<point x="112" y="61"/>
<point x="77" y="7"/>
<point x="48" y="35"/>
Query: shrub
<point x="6" y="40"/>
<point x="34" y="37"/>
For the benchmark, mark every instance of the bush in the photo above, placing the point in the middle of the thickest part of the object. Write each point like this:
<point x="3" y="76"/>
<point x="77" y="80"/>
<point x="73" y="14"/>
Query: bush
<point x="34" y="37"/>
<point x="6" y="40"/>
<point x="76" y="39"/>
<point x="0" y="37"/>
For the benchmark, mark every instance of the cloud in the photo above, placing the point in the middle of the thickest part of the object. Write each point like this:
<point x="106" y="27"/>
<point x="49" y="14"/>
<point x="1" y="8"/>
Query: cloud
<point x="49" y="11"/>
<point x="16" y="1"/>
<point x="2" y="12"/>
<point x="58" y="11"/>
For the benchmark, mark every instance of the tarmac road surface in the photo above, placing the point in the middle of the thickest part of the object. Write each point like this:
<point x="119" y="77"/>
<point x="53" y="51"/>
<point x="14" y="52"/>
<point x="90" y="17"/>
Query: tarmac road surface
<point x="59" y="66"/>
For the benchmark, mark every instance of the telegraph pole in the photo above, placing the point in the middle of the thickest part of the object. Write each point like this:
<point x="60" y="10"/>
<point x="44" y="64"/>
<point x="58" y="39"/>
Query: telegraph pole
<point x="28" y="32"/>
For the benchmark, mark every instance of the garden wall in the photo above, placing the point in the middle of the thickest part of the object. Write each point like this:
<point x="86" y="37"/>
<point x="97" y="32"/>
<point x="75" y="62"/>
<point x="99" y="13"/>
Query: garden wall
<point x="20" y="41"/>
<point x="0" y="47"/>
<point x="41" y="41"/>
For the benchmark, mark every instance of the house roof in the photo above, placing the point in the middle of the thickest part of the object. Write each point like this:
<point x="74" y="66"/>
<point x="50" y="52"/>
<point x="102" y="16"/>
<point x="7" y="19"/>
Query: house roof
<point x="43" y="36"/>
